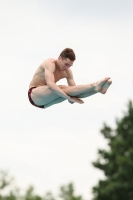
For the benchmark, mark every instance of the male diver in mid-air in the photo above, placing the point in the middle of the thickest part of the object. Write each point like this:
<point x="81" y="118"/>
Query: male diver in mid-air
<point x="44" y="92"/>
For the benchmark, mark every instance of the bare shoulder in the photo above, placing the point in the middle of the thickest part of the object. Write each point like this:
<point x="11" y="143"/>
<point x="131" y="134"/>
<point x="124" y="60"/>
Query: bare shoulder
<point x="48" y="64"/>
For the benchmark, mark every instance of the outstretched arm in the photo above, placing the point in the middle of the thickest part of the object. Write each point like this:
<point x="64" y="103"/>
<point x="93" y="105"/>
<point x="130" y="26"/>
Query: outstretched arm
<point x="71" y="82"/>
<point x="70" y="79"/>
<point x="49" y="76"/>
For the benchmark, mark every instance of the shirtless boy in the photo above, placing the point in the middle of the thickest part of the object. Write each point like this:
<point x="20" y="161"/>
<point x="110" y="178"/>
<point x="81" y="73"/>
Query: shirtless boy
<point x="44" y="92"/>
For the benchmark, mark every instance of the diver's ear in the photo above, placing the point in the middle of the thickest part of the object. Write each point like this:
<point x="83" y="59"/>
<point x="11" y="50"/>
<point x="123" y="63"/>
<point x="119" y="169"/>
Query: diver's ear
<point x="59" y="58"/>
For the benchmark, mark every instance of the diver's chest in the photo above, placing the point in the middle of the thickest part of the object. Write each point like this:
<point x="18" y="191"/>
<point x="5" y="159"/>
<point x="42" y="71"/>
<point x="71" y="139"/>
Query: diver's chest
<point x="59" y="75"/>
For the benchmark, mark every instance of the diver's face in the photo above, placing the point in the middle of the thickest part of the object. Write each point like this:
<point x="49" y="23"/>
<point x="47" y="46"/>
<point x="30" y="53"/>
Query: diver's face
<point x="65" y="63"/>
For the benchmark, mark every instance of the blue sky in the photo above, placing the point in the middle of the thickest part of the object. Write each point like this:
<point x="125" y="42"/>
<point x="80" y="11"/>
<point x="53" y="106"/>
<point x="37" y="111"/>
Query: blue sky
<point x="52" y="147"/>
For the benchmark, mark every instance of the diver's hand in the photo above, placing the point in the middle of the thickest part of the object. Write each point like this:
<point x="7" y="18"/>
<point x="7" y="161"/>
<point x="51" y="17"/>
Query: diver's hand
<point x="75" y="100"/>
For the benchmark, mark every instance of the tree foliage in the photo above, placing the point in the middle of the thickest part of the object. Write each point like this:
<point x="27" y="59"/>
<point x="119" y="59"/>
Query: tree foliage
<point x="117" y="162"/>
<point x="5" y="180"/>
<point x="66" y="192"/>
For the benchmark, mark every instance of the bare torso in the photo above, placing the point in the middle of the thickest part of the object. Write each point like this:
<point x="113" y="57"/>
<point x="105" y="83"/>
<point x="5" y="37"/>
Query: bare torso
<point x="39" y="76"/>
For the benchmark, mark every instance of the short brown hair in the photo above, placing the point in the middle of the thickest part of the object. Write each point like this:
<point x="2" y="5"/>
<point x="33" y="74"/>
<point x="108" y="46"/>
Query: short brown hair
<point x="68" y="53"/>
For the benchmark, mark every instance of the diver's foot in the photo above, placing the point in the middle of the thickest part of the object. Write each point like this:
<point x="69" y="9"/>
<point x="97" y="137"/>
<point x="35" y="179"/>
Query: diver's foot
<point x="105" y="86"/>
<point x="99" y="84"/>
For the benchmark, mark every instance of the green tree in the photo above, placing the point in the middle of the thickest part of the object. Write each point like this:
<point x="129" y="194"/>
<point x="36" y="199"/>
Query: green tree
<point x="30" y="195"/>
<point x="6" y="182"/>
<point x="13" y="193"/>
<point x="10" y="196"/>
<point x="49" y="196"/>
<point x="117" y="162"/>
<point x="67" y="193"/>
